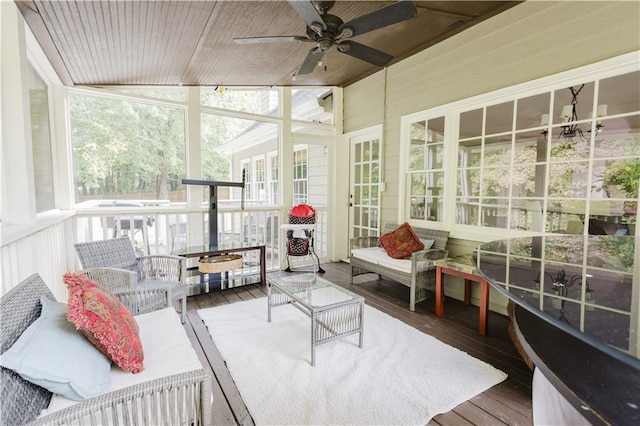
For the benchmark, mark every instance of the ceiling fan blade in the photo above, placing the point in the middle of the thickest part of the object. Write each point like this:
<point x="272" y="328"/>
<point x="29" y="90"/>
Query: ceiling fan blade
<point x="365" y="53"/>
<point x="307" y="12"/>
<point x="392" y="14"/>
<point x="270" y="39"/>
<point x="311" y="61"/>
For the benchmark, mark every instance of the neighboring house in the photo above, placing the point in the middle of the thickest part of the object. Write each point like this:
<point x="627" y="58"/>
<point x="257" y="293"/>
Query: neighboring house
<point x="256" y="149"/>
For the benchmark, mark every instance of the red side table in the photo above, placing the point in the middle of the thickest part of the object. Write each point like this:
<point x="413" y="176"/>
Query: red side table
<point x="462" y="267"/>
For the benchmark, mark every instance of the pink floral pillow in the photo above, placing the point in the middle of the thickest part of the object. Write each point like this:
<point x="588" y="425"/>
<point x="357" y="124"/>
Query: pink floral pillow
<point x="401" y="242"/>
<point x="105" y="322"/>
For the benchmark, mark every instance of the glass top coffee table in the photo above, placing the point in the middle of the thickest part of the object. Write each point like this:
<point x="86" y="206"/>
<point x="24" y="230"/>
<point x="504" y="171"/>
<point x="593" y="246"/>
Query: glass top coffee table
<point x="335" y="312"/>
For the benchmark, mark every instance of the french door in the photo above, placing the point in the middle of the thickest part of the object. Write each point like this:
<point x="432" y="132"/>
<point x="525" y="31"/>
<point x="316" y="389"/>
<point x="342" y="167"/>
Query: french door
<point x="364" y="195"/>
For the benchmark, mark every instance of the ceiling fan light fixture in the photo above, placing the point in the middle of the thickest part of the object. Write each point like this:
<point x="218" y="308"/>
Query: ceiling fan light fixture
<point x="346" y="32"/>
<point x="317" y="28"/>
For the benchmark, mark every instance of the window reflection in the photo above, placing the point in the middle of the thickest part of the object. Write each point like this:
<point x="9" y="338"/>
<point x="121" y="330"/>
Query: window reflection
<point x="555" y="161"/>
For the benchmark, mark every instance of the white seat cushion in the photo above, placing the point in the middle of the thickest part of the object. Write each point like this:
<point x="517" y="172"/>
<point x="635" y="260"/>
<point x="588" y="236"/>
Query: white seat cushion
<point x="167" y="351"/>
<point x="378" y="256"/>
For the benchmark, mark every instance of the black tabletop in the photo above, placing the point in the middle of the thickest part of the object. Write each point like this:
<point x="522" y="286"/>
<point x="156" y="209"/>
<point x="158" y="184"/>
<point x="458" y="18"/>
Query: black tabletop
<point x="579" y="310"/>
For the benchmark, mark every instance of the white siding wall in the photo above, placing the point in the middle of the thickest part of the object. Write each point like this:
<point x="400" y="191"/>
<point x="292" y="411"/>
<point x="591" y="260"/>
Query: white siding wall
<point x="529" y="41"/>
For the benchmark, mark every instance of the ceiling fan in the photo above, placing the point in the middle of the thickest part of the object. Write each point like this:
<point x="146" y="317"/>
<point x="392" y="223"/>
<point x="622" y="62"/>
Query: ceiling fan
<point x="326" y="30"/>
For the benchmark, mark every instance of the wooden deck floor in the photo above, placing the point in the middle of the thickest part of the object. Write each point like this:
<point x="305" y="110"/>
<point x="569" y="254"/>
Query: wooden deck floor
<point x="506" y="403"/>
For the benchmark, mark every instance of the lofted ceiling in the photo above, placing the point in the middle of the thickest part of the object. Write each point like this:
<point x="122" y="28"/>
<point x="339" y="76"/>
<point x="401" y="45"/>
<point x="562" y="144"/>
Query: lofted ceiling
<point x="190" y="43"/>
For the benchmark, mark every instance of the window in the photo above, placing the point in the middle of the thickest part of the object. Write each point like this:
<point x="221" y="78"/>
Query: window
<point x="312" y="105"/>
<point x="126" y="149"/>
<point x="273" y="178"/>
<point x="556" y="155"/>
<point x="130" y="143"/>
<point x="554" y="161"/>
<point x="425" y="170"/>
<point x="260" y="179"/>
<point x="41" y="141"/>
<point x="300" y="175"/>
<point x="245" y="165"/>
<point x="263" y="101"/>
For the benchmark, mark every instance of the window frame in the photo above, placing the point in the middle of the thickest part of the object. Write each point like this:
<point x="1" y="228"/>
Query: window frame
<point x="609" y="68"/>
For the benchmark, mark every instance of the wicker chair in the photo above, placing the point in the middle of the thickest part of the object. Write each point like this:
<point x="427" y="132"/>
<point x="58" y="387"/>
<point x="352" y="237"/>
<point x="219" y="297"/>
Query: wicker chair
<point x="156" y="271"/>
<point x="122" y="283"/>
<point x="23" y="401"/>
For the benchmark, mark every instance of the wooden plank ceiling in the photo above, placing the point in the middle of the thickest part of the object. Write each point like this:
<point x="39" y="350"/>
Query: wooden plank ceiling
<point x="187" y="43"/>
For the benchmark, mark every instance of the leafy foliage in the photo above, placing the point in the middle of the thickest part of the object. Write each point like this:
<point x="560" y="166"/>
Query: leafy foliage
<point x="625" y="175"/>
<point x="122" y="147"/>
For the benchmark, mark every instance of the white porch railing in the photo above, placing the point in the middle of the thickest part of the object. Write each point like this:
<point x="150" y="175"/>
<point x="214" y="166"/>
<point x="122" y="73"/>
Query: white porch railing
<point x="165" y="229"/>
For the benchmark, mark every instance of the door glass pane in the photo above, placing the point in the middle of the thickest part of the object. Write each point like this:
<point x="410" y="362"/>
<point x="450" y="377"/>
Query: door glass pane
<point x="375" y="150"/>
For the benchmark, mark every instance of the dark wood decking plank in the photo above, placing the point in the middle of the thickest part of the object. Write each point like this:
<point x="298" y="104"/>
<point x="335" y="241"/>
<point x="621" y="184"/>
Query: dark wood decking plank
<point x="222" y="375"/>
<point x="500" y="410"/>
<point x="476" y="415"/>
<point x="257" y="291"/>
<point x="450" y="419"/>
<point x="230" y="296"/>
<point x="203" y="300"/>
<point x="221" y="412"/>
<point x="514" y="395"/>
<point x="242" y="293"/>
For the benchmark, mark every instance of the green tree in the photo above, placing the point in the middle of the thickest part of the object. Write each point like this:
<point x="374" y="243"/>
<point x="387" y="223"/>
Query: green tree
<point x="124" y="147"/>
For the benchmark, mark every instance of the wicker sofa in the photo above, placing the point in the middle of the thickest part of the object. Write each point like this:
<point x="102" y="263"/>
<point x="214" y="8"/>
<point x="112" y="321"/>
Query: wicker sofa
<point x="164" y="393"/>
<point x="417" y="273"/>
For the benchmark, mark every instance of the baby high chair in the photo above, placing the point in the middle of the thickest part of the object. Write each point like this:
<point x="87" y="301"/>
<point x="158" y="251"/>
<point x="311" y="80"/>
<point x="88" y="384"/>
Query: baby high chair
<point x="302" y="220"/>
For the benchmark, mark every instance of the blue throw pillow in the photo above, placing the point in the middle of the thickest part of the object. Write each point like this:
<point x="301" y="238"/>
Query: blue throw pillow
<point x="52" y="354"/>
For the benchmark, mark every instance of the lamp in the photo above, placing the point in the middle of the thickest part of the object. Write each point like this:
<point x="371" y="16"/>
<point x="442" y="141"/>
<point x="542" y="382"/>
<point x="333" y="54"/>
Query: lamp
<point x="569" y="116"/>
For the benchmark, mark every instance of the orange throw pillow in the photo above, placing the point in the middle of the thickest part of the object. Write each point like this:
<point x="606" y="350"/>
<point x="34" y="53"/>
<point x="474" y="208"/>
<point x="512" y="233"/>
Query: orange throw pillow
<point x="105" y="322"/>
<point x="401" y="242"/>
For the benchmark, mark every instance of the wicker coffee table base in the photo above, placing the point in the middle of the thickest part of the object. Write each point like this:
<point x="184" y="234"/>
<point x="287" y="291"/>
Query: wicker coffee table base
<point x="328" y="322"/>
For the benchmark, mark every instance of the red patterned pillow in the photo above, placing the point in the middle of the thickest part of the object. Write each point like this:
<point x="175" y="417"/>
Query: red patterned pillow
<point x="105" y="322"/>
<point x="401" y="242"/>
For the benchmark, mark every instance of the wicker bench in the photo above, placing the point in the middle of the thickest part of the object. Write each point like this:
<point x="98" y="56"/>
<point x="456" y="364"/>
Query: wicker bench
<point x="417" y="273"/>
<point x="175" y="398"/>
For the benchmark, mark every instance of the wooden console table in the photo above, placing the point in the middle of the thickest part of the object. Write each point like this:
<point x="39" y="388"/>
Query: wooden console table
<point x="202" y="252"/>
<point x="462" y="267"/>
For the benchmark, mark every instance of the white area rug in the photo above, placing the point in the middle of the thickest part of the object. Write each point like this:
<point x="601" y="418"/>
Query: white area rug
<point x="400" y="377"/>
